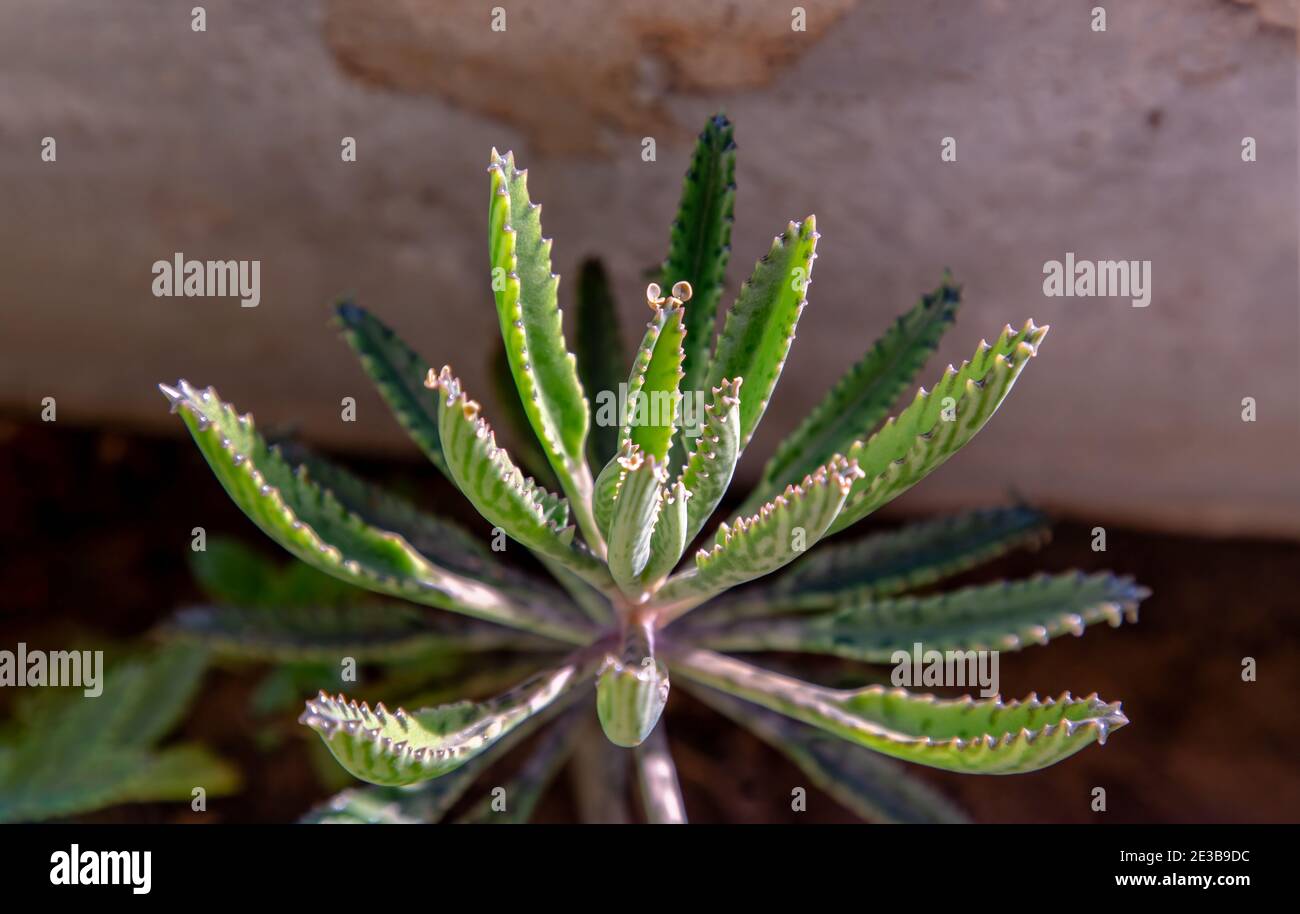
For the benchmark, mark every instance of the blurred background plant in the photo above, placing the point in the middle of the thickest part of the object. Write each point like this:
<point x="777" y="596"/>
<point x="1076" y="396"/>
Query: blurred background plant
<point x="64" y="754"/>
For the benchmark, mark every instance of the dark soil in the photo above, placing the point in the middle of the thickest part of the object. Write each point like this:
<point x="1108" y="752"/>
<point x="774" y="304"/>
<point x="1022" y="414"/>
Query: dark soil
<point x="95" y="527"/>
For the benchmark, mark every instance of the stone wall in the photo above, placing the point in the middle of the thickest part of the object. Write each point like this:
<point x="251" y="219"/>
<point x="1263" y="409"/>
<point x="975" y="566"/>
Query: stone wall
<point x="1122" y="144"/>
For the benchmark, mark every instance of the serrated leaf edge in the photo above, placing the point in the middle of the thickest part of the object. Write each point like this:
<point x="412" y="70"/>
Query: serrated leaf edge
<point x="838" y="471"/>
<point x="550" y="510"/>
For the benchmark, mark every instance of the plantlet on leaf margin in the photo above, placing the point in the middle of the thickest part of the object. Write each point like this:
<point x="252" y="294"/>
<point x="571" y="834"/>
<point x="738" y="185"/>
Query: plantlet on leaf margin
<point x="625" y="615"/>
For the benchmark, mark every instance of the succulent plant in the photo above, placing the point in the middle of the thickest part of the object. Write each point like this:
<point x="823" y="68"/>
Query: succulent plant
<point x="64" y="755"/>
<point x="640" y="471"/>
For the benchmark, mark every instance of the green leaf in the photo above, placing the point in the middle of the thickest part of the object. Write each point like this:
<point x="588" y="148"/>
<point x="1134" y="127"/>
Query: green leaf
<point x="631" y="687"/>
<point x="652" y="387"/>
<point x="426" y="802"/>
<point x="77" y="753"/>
<point x="64" y="793"/>
<point x="446" y="543"/>
<point x="860" y="780"/>
<point x="230" y="572"/>
<point x="882" y="564"/>
<point x="373" y="632"/>
<point x="173" y="773"/>
<point x="526" y="786"/>
<point x="661" y="794"/>
<point x="498" y="490"/>
<point x="668" y="540"/>
<point x="528" y="309"/>
<point x="398" y="748"/>
<point x="605" y="492"/>
<point x="637" y="503"/>
<point x="914" y="555"/>
<point x="751" y="547"/>
<point x="398" y="372"/>
<point x="713" y="455"/>
<point x="863" y="396"/>
<point x="978" y="737"/>
<point x="1005" y="616"/>
<point x="310" y="522"/>
<point x="151" y="697"/>
<point x="701" y="241"/>
<point x="760" y="326"/>
<point x="646" y="525"/>
<point x="524" y="442"/>
<point x="600" y="354"/>
<point x="938" y="423"/>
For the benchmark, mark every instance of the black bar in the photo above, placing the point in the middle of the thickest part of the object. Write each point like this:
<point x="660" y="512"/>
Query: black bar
<point x="442" y="865"/>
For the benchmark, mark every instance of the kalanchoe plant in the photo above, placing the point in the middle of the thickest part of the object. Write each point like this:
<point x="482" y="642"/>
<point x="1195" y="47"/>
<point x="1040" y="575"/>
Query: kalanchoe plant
<point x="636" y="489"/>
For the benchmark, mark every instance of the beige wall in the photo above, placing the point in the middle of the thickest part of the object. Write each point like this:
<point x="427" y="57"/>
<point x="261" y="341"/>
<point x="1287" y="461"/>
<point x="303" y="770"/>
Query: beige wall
<point x="1123" y="144"/>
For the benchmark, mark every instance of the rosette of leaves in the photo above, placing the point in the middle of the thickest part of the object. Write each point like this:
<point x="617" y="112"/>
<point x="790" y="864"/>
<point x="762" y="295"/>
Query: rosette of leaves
<point x="629" y="612"/>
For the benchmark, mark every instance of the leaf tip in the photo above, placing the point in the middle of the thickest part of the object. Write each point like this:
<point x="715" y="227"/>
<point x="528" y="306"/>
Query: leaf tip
<point x="174" y="396"/>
